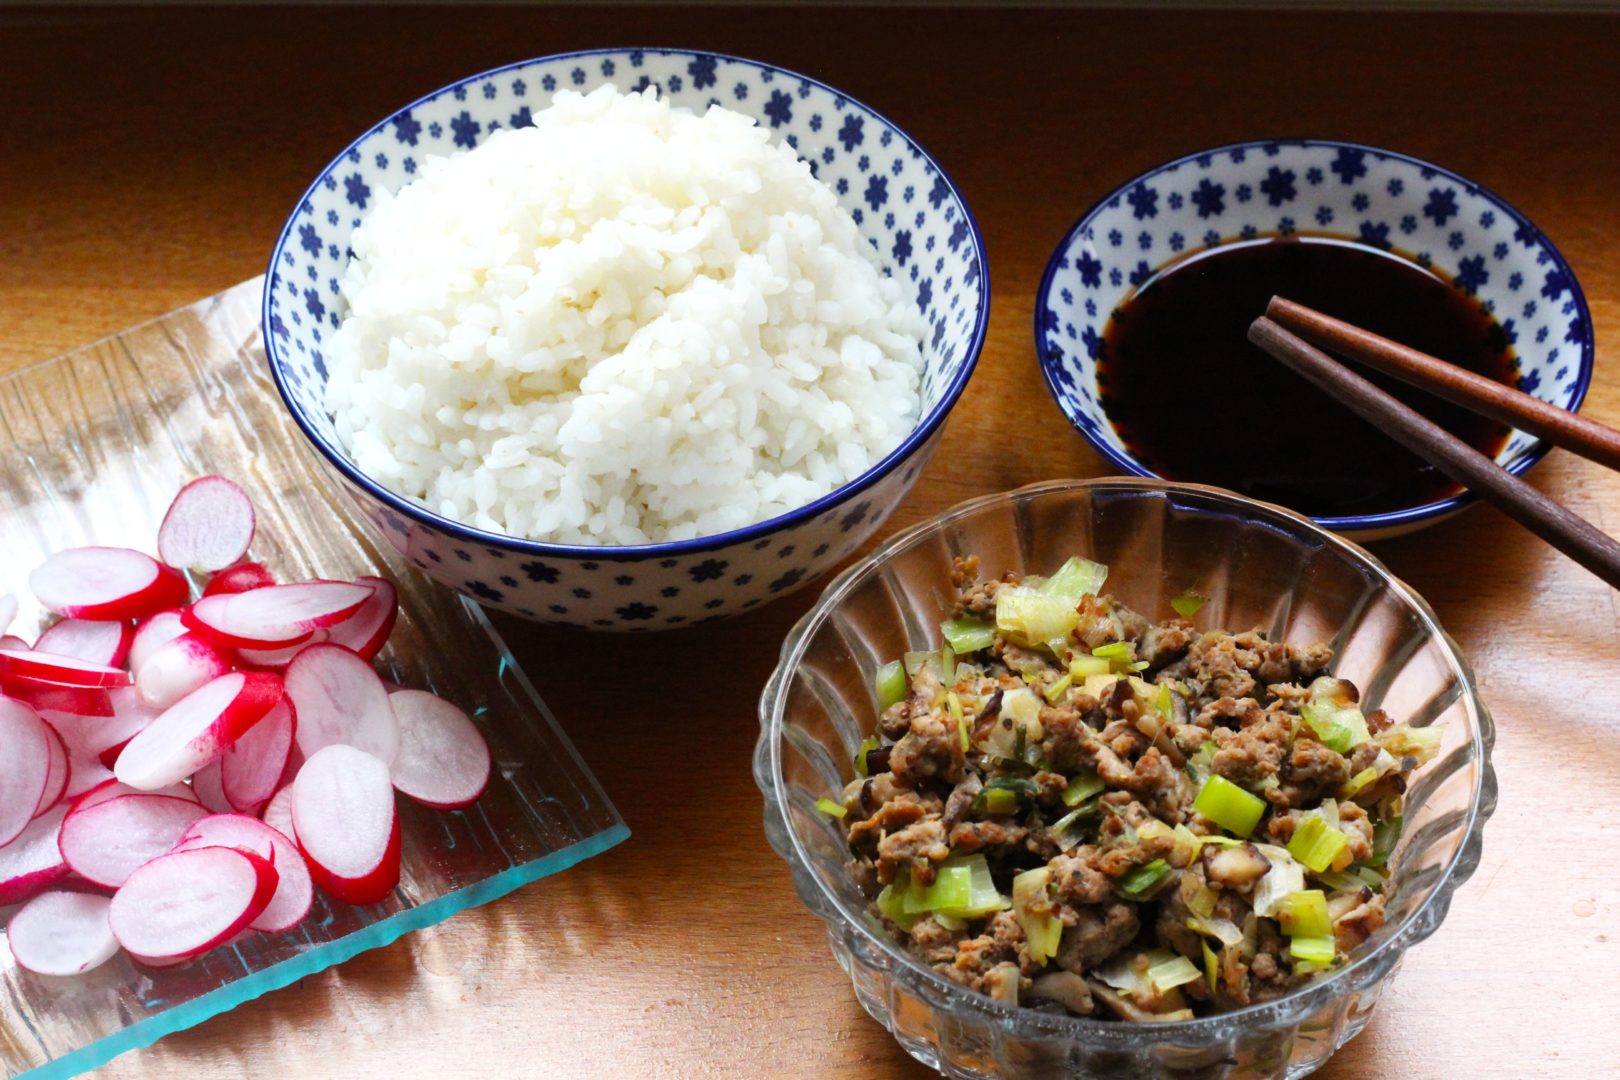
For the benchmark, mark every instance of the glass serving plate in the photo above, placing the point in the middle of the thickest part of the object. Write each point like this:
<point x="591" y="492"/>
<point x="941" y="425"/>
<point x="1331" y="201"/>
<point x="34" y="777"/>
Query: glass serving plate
<point x="93" y="446"/>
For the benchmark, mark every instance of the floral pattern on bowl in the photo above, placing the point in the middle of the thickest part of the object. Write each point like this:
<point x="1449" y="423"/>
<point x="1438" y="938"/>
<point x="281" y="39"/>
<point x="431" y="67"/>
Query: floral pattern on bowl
<point x="1286" y="187"/>
<point x="907" y="208"/>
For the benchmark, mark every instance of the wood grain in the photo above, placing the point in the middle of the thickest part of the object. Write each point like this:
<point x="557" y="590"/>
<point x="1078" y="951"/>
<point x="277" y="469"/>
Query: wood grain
<point x="148" y="157"/>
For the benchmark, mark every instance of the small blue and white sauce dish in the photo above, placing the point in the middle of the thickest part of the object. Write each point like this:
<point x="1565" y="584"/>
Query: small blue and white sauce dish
<point x="875" y="257"/>
<point x="1141" y="320"/>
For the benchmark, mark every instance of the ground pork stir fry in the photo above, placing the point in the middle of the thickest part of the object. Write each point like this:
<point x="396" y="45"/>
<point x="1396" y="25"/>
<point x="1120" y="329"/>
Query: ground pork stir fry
<point x="1071" y="808"/>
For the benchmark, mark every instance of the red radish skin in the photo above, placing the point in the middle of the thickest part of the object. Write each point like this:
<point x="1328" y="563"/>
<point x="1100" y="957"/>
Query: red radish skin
<point x="208" y="527"/>
<point x="243" y="577"/>
<point x="107" y="842"/>
<point x="340" y="699"/>
<point x="194" y="730"/>
<point x="178" y="668"/>
<point x="347" y="825"/>
<point x="48" y="696"/>
<point x="278" y="659"/>
<point x="151" y="635"/>
<point x="106" y="583"/>
<point x="25" y="767"/>
<point x="443" y="760"/>
<point x="112" y="789"/>
<point x="278" y="813"/>
<point x="33" y="861"/>
<point x="61" y="771"/>
<point x="275" y="616"/>
<point x="62" y="933"/>
<point x="67" y="670"/>
<point x="251" y="768"/>
<point x="105" y="643"/>
<point x="367" y="630"/>
<point x="294" y="891"/>
<point x="184" y="903"/>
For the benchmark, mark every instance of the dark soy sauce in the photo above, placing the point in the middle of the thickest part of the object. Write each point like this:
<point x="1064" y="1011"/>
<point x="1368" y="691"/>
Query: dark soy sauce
<point x="1194" y="400"/>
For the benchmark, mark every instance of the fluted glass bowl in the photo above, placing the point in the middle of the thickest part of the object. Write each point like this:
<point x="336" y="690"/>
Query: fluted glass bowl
<point x="1260" y="565"/>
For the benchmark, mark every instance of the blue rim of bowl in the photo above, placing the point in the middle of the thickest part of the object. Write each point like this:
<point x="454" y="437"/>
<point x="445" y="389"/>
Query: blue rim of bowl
<point x="1527" y="458"/>
<point x="919" y="436"/>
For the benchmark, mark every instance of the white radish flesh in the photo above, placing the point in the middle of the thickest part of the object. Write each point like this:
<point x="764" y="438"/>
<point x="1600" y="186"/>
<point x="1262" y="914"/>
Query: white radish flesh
<point x="184" y="903"/>
<point x="294" y="891"/>
<point x="196" y="729"/>
<point x="105" y="583"/>
<point x="105" y="843"/>
<point x="209" y="787"/>
<point x="106" y="643"/>
<point x="8" y="611"/>
<point x="251" y="768"/>
<point x="367" y="630"/>
<point x="33" y="861"/>
<point x="243" y="577"/>
<point x="68" y="670"/>
<point x="340" y="699"/>
<point x="61" y="770"/>
<point x="346" y="824"/>
<point x="443" y="760"/>
<point x="62" y="933"/>
<point x="277" y="615"/>
<point x="25" y="767"/>
<point x="278" y="813"/>
<point x="278" y="659"/>
<point x="208" y="527"/>
<point x="178" y="668"/>
<point x="12" y="641"/>
<point x="153" y="634"/>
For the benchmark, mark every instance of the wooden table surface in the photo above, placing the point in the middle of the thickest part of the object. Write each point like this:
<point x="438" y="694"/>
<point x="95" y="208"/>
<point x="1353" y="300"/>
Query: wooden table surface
<point x="148" y="157"/>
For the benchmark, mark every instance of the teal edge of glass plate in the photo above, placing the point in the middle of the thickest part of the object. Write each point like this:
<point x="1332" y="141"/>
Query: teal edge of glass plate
<point x="318" y="959"/>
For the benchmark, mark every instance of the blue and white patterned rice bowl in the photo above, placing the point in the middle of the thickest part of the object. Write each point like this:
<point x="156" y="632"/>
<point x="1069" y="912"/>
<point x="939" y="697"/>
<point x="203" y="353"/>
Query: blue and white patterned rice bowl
<point x="903" y="202"/>
<point x="1317" y="187"/>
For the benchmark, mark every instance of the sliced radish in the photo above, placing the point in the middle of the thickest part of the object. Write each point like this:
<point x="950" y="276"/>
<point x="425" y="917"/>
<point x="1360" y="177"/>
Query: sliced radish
<point x="186" y="902"/>
<point x="112" y="789"/>
<point x="243" y="577"/>
<point x="294" y="892"/>
<point x="45" y="695"/>
<point x="443" y="760"/>
<point x="251" y="768"/>
<point x="152" y="634"/>
<point x="35" y="664"/>
<point x="106" y="583"/>
<point x="340" y="699"/>
<point x="25" y="766"/>
<point x="62" y="933"/>
<point x="278" y="659"/>
<point x="209" y="786"/>
<point x="95" y="642"/>
<point x="8" y="611"/>
<point x="367" y="630"/>
<point x="346" y="824"/>
<point x="208" y="527"/>
<point x="278" y="813"/>
<point x="194" y="730"/>
<point x="178" y="668"/>
<point x="277" y="615"/>
<point x="61" y="770"/>
<point x="100" y="738"/>
<point x="15" y="643"/>
<point x="33" y="861"/>
<point x="106" y="842"/>
<point x="85" y="774"/>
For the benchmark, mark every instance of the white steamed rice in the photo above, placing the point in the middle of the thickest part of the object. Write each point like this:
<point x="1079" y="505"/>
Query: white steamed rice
<point x="625" y="324"/>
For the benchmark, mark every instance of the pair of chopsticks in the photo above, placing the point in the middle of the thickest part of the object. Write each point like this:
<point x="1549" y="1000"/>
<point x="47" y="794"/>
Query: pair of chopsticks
<point x="1291" y="333"/>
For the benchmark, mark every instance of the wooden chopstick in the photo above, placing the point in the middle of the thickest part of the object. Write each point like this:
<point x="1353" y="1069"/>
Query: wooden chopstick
<point x="1476" y="393"/>
<point x="1554" y="523"/>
